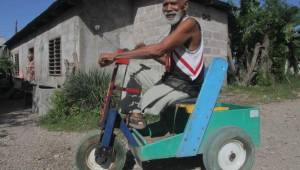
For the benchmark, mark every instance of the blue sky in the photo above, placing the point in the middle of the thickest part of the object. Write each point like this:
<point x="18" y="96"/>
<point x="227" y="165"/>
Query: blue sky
<point x="21" y="10"/>
<point x="26" y="10"/>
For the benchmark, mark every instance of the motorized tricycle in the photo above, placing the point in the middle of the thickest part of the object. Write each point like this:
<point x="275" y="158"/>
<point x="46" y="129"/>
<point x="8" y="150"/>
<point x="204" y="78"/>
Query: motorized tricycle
<point x="226" y="135"/>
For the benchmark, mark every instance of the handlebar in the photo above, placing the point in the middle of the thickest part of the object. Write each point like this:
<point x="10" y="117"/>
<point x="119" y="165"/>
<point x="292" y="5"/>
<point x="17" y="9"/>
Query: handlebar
<point x="124" y="61"/>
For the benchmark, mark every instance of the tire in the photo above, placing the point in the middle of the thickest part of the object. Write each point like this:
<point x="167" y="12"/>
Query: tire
<point x="229" y="149"/>
<point x="85" y="158"/>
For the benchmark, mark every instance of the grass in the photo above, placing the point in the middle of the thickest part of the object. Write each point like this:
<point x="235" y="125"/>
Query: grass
<point x="80" y="122"/>
<point x="263" y="94"/>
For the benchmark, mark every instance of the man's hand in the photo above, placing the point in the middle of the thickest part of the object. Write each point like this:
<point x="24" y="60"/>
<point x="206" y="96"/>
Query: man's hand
<point x="140" y="45"/>
<point x="106" y="59"/>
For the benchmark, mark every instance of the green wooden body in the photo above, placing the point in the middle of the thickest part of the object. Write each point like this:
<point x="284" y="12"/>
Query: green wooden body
<point x="246" y="118"/>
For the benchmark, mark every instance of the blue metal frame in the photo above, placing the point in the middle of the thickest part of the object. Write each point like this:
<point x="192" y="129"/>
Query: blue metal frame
<point x="198" y="121"/>
<point x="112" y="117"/>
<point x="109" y="126"/>
<point x="131" y="140"/>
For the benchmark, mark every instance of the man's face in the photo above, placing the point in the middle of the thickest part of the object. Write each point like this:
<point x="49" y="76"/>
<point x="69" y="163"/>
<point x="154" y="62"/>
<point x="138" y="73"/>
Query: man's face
<point x="174" y="10"/>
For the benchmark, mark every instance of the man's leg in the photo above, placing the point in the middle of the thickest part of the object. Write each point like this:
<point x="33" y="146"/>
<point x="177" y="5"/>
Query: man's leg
<point x="141" y="76"/>
<point x="159" y="97"/>
<point x="154" y="101"/>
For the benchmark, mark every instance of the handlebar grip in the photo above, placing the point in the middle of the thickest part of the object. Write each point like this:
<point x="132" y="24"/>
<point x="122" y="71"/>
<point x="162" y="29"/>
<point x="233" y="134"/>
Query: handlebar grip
<point x="129" y="90"/>
<point x="132" y="90"/>
<point x="124" y="61"/>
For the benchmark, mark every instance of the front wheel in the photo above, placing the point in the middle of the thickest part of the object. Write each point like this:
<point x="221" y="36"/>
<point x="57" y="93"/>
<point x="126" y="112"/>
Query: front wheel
<point x="230" y="149"/>
<point x="85" y="155"/>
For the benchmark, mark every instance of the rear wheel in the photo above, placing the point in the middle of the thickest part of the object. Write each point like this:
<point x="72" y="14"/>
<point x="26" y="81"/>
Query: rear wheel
<point x="85" y="155"/>
<point x="230" y="149"/>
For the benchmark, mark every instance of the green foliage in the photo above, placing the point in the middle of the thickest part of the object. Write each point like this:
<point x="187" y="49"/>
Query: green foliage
<point x="255" y="21"/>
<point x="86" y="89"/>
<point x="279" y="56"/>
<point x="76" y="105"/>
<point x="59" y="107"/>
<point x="263" y="80"/>
<point x="6" y="64"/>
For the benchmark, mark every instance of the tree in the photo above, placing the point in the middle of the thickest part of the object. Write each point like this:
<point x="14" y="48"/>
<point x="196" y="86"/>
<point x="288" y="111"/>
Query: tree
<point x="292" y="31"/>
<point x="259" y="41"/>
<point x="5" y="60"/>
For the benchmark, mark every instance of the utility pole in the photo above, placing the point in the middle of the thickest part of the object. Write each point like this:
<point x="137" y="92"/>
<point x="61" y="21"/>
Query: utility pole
<point x="16" y="27"/>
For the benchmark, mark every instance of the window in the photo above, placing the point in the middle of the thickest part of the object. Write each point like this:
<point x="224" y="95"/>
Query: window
<point x="16" y="60"/>
<point x="55" y="57"/>
<point x="31" y="51"/>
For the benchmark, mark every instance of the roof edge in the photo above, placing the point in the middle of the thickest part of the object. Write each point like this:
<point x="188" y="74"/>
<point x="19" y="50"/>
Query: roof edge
<point x="51" y="12"/>
<point x="216" y="4"/>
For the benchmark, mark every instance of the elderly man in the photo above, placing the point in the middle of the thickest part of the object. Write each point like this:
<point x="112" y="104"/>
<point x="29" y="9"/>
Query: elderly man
<point x="182" y="54"/>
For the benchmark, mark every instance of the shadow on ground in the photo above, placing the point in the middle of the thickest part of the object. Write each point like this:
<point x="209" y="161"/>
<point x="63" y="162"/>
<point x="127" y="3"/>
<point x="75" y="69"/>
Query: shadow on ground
<point x="175" y="164"/>
<point x="14" y="113"/>
<point x="189" y="163"/>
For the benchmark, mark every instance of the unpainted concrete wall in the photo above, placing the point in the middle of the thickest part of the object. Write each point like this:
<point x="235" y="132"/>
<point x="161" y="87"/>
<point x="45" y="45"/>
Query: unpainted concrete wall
<point x="102" y="24"/>
<point x="67" y="28"/>
<point x="150" y="27"/>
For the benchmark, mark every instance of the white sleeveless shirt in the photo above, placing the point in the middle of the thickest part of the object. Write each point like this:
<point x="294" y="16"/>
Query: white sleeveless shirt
<point x="189" y="62"/>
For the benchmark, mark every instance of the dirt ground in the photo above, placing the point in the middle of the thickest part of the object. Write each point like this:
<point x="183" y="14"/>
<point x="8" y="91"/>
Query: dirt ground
<point x="24" y="145"/>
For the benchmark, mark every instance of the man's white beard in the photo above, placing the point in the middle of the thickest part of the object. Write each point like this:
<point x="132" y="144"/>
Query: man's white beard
<point x="176" y="19"/>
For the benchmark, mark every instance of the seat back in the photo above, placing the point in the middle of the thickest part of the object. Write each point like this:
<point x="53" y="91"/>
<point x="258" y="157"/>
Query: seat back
<point x="206" y="100"/>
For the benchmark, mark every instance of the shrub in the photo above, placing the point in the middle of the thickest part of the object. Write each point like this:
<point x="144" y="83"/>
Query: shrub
<point x="76" y="105"/>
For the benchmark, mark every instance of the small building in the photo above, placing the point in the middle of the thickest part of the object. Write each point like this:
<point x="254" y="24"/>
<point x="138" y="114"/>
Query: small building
<point x="77" y="31"/>
<point x="2" y="45"/>
<point x="2" y="41"/>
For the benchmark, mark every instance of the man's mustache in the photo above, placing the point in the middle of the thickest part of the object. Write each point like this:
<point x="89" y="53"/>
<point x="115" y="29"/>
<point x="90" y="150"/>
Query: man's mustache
<point x="171" y="13"/>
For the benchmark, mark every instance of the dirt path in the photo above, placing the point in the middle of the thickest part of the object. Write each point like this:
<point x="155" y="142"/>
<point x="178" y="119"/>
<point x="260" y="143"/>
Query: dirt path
<point x="280" y="132"/>
<point x="24" y="145"/>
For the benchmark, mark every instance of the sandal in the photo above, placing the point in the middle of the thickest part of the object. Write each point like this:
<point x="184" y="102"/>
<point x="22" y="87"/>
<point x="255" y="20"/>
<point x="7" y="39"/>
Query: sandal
<point x="136" y="120"/>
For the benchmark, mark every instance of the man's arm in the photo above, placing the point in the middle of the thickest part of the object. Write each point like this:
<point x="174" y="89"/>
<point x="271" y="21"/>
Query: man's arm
<point x="182" y="33"/>
<point x="160" y="60"/>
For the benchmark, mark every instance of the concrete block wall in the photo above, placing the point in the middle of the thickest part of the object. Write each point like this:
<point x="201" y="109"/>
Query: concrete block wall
<point x="104" y="27"/>
<point x="41" y="100"/>
<point x="149" y="24"/>
<point x="215" y="29"/>
<point x="150" y="27"/>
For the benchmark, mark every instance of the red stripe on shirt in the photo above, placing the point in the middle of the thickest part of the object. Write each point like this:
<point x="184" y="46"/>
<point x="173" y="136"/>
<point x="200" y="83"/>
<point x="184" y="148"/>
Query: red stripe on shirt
<point x="186" y="64"/>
